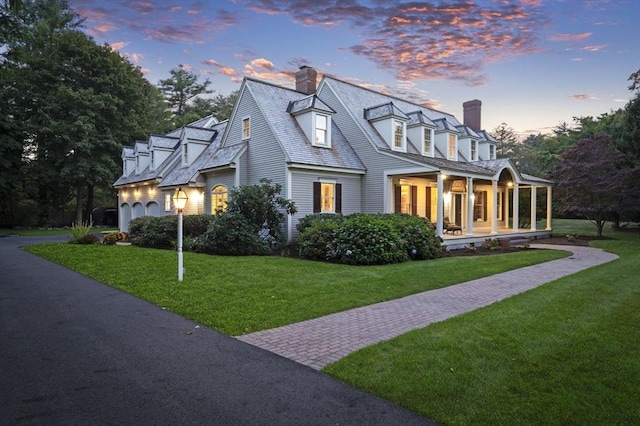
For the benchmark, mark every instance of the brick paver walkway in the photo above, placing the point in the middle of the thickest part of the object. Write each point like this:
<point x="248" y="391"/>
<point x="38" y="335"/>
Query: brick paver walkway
<point x="324" y="340"/>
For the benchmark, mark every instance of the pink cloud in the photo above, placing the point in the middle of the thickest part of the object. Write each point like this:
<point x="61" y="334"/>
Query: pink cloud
<point x="136" y="57"/>
<point x="582" y="96"/>
<point x="118" y="45"/>
<point x="569" y="37"/>
<point x="594" y="48"/>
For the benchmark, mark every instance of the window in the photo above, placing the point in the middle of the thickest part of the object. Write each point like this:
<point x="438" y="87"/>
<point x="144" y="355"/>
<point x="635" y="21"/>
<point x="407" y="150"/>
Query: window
<point x="137" y="164"/>
<point x="327" y="197"/>
<point x="406" y="199"/>
<point x="321" y="129"/>
<point x="474" y="151"/>
<point x="124" y="168"/>
<point x="246" y="128"/>
<point x="492" y="152"/>
<point x="152" y="161"/>
<point x="218" y="199"/>
<point x="185" y="154"/>
<point x="427" y="141"/>
<point x="452" y="146"/>
<point x="167" y="202"/>
<point x="398" y="135"/>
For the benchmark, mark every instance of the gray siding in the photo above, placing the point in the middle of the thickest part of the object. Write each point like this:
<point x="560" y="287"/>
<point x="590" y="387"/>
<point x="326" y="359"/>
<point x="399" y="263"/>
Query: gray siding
<point x="302" y="193"/>
<point x="372" y="195"/>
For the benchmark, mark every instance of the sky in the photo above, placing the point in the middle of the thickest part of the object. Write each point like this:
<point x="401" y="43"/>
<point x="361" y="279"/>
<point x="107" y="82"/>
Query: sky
<point x="534" y="64"/>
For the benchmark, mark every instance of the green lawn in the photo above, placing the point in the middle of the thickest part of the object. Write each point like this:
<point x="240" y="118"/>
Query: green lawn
<point x="565" y="353"/>
<point x="40" y="232"/>
<point x="238" y="295"/>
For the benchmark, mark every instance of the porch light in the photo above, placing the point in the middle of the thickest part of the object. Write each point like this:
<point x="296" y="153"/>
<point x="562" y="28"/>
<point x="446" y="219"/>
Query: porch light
<point x="180" y="200"/>
<point x="509" y="184"/>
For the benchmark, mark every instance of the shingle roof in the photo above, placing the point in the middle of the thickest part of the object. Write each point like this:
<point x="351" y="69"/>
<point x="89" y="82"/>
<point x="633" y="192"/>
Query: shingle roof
<point x="418" y="117"/>
<point x="383" y="111"/>
<point x="466" y="131"/>
<point x="311" y="102"/>
<point x="161" y="141"/>
<point x="273" y="102"/>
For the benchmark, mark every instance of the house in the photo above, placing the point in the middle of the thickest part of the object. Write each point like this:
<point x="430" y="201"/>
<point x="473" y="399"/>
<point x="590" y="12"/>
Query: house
<point x="337" y="147"/>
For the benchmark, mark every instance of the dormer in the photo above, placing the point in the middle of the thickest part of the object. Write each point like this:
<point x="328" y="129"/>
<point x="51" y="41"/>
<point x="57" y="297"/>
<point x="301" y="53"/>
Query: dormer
<point x="468" y="143"/>
<point x="141" y="154"/>
<point x="487" y="146"/>
<point x="128" y="160"/>
<point x="421" y="131"/>
<point x="391" y="123"/>
<point x="193" y="142"/>
<point x="446" y="138"/>
<point x="314" y="117"/>
<point x="160" y="148"/>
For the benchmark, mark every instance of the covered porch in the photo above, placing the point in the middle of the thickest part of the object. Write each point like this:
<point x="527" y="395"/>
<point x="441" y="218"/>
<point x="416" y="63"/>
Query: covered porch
<point x="472" y="207"/>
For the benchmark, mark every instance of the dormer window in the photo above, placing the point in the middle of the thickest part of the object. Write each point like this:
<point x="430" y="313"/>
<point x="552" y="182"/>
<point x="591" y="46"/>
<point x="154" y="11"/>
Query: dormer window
<point x="427" y="146"/>
<point x="185" y="154"/>
<point x="246" y="128"/>
<point x="474" y="150"/>
<point x="398" y="134"/>
<point x="452" y="147"/>
<point x="137" y="165"/>
<point x="124" y="168"/>
<point x="321" y="129"/>
<point x="152" y="160"/>
<point x="492" y="152"/>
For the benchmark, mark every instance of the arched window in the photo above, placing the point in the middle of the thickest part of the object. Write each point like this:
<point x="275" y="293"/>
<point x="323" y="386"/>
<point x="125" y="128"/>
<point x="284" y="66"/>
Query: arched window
<point x="218" y="199"/>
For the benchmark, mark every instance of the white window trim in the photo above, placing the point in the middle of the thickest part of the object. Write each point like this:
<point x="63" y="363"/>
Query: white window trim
<point x="431" y="141"/>
<point x="327" y="142"/>
<point x="403" y="141"/>
<point x="167" y="202"/>
<point x="333" y="200"/>
<point x="455" y="153"/>
<point x="185" y="154"/>
<point x="248" y="120"/>
<point x="473" y="153"/>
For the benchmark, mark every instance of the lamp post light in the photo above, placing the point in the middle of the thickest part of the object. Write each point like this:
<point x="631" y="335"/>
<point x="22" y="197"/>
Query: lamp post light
<point x="180" y="200"/>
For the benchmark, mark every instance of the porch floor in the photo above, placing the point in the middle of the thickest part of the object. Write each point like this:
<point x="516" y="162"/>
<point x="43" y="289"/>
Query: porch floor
<point x="480" y="234"/>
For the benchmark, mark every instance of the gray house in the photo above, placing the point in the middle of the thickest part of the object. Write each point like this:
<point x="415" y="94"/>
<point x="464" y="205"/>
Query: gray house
<point x="338" y="148"/>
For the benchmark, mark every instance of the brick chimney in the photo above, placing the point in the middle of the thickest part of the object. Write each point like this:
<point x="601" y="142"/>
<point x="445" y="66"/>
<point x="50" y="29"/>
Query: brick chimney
<point x="306" y="80"/>
<point x="472" y="114"/>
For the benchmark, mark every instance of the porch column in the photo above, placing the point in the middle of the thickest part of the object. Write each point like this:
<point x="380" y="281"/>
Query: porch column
<point x="440" y="205"/>
<point x="534" y="213"/>
<point x="505" y="212"/>
<point x="516" y="206"/>
<point x="470" y="199"/>
<point x="548" y="208"/>
<point x="494" y="207"/>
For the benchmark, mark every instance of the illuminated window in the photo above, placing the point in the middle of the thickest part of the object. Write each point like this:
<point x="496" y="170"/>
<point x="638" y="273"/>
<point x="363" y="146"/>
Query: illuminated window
<point x="452" y="146"/>
<point x="321" y="129"/>
<point x="218" y="199"/>
<point x="474" y="151"/>
<point x="427" y="141"/>
<point x="405" y="199"/>
<point x="167" y="202"/>
<point x="246" y="128"/>
<point x="326" y="197"/>
<point x="398" y="135"/>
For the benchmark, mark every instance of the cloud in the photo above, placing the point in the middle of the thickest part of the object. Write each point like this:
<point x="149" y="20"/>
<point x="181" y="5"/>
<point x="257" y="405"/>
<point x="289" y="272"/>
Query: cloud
<point x="222" y="69"/>
<point x="569" y="37"/>
<point x="595" y="48"/>
<point x="583" y="97"/>
<point x="425" y="40"/>
<point x="136" y="57"/>
<point x="118" y="45"/>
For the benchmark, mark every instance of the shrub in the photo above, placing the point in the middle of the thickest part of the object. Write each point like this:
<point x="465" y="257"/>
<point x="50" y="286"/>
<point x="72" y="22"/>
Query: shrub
<point x="316" y="238"/>
<point x="79" y="230"/>
<point x="231" y="234"/>
<point x="87" y="239"/>
<point x="363" y="239"/>
<point x="150" y="231"/>
<point x="113" y="237"/>
<point x="367" y="240"/>
<point x="196" y="225"/>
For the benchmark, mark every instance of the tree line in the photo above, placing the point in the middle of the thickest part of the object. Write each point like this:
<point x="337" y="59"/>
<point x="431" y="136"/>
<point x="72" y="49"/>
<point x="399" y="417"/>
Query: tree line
<point x="68" y="106"/>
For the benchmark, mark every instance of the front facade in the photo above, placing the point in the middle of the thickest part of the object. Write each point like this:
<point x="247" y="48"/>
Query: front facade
<point x="339" y="148"/>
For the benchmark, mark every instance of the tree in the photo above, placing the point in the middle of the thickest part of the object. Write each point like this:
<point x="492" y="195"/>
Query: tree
<point x="507" y="141"/>
<point x="181" y="92"/>
<point x="223" y="105"/>
<point x="590" y="180"/>
<point x="75" y="102"/>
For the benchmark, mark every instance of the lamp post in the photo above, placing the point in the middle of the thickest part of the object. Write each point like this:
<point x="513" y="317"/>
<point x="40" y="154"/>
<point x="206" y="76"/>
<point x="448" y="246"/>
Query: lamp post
<point x="180" y="200"/>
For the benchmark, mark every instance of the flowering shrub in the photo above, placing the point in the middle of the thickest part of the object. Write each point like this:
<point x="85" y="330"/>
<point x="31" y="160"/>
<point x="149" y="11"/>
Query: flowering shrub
<point x="87" y="239"/>
<point x="316" y="238"/>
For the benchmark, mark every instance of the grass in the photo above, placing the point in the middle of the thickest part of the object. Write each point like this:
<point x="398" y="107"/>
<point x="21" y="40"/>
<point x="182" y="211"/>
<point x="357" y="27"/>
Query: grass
<point x="565" y="353"/>
<point x="238" y="295"/>
<point x="35" y="232"/>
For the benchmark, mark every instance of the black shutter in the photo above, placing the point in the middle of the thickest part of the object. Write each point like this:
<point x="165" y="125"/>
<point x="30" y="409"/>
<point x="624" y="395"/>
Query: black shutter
<point x="414" y="200"/>
<point x="338" y="194"/>
<point x="427" y="211"/>
<point x="397" y="196"/>
<point x="316" y="197"/>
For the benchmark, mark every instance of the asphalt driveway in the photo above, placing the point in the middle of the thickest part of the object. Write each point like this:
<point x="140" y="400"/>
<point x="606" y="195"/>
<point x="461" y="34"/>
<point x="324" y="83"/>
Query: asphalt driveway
<point x="75" y="351"/>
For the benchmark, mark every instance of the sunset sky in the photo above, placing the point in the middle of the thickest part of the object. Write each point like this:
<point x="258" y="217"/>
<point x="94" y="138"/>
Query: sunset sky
<point x="532" y="63"/>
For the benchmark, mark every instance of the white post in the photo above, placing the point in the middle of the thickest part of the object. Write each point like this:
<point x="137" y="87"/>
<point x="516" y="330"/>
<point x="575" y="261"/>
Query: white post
<point x="534" y="205"/>
<point x="548" y="208"/>
<point x="180" y="268"/>
<point x="440" y="205"/>
<point x="494" y="207"/>
<point x="516" y="206"/>
<point x="470" y="200"/>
